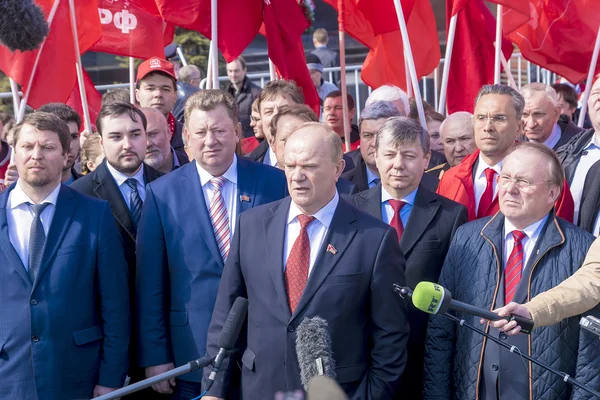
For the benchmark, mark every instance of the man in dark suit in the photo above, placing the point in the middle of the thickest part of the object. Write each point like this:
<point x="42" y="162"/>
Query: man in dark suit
<point x="160" y="155"/>
<point x="184" y="237"/>
<point x="313" y="254"/>
<point x="425" y="223"/>
<point x="156" y="86"/>
<point x="63" y="297"/>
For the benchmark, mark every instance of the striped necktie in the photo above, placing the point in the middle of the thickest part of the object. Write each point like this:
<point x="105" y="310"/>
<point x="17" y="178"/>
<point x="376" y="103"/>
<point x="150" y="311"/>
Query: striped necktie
<point x="219" y="217"/>
<point x="514" y="267"/>
<point x="135" y="201"/>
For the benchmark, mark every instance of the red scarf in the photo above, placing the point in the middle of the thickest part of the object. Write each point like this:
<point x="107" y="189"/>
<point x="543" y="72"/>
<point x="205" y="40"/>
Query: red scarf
<point x="171" y="122"/>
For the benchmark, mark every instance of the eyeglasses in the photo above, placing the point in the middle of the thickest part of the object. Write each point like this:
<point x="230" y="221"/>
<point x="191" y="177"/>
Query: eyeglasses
<point x="505" y="180"/>
<point x="496" y="120"/>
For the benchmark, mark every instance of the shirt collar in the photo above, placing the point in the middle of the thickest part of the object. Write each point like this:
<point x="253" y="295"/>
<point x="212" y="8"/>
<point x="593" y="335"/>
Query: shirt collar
<point x="120" y="177"/>
<point x="482" y="166"/>
<point x="370" y="175"/>
<point x="272" y="157"/>
<point x="532" y="231"/>
<point x="176" y="163"/>
<point x="18" y="197"/>
<point x="324" y="215"/>
<point x="553" y="138"/>
<point x="230" y="174"/>
<point x="592" y="143"/>
<point x="408" y="199"/>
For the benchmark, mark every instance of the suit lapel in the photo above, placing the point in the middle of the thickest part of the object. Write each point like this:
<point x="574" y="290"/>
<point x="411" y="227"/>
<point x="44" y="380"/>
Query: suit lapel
<point x="66" y="204"/>
<point x="107" y="189"/>
<point x="423" y="212"/>
<point x="246" y="185"/>
<point x="370" y="201"/>
<point x="274" y="227"/>
<point x="360" y="176"/>
<point x="195" y="204"/>
<point x="339" y="235"/>
<point x="5" y="246"/>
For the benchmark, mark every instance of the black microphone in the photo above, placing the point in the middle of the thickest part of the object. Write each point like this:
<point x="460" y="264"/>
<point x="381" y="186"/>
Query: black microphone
<point x="434" y="299"/>
<point x="229" y="334"/>
<point x="313" y="348"/>
<point x="22" y="25"/>
<point x="324" y="388"/>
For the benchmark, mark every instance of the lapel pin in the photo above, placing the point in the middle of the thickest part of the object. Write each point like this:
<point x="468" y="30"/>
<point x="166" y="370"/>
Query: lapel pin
<point x="243" y="197"/>
<point x="331" y="249"/>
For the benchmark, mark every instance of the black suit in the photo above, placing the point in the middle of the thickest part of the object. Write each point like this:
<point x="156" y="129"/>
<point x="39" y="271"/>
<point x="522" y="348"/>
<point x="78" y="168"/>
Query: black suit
<point x="425" y="242"/>
<point x="258" y="154"/>
<point x="177" y="139"/>
<point x="590" y="199"/>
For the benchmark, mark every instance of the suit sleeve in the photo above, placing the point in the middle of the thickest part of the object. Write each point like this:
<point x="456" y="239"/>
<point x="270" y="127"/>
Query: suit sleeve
<point x="441" y="337"/>
<point x="462" y="217"/>
<point x="113" y="288"/>
<point x="152" y="287"/>
<point x="389" y="321"/>
<point x="231" y="287"/>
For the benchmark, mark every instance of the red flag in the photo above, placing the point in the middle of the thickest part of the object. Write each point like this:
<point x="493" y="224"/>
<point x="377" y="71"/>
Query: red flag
<point x="238" y="21"/>
<point x="152" y="7"/>
<point x="55" y="76"/>
<point x="94" y="99"/>
<point x="473" y="55"/>
<point x="382" y="13"/>
<point x="558" y="35"/>
<point x="129" y="30"/>
<point x="284" y="23"/>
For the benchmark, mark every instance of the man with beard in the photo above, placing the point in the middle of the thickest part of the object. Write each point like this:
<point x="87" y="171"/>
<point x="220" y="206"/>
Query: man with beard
<point x="73" y="121"/>
<point x="160" y="155"/>
<point x="121" y="180"/>
<point x="63" y="297"/>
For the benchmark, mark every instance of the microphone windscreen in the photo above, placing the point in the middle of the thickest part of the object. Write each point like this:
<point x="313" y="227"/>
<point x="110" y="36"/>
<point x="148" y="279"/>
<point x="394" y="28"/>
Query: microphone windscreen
<point x="324" y="388"/>
<point x="429" y="297"/>
<point x="313" y="347"/>
<point x="233" y="324"/>
<point x="22" y="25"/>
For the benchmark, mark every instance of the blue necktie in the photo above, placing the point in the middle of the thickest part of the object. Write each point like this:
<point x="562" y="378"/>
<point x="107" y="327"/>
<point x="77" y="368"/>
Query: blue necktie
<point x="135" y="201"/>
<point x="37" y="239"/>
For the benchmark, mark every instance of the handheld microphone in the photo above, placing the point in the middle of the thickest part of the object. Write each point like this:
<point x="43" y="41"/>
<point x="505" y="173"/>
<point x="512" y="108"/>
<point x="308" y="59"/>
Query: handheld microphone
<point x="313" y="347"/>
<point x="229" y="334"/>
<point x="591" y="324"/>
<point x="22" y="25"/>
<point x="434" y="299"/>
<point x="324" y="388"/>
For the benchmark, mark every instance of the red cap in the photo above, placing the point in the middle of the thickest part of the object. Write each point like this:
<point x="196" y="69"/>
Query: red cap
<point x="155" y="64"/>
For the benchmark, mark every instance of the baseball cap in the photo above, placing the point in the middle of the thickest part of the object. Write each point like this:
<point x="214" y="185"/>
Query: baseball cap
<point x="155" y="64"/>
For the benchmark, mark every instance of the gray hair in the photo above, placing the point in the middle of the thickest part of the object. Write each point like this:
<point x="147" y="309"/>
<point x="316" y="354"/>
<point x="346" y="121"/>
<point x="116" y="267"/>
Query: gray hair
<point x="531" y="88"/>
<point x="517" y="99"/>
<point x="187" y="72"/>
<point x="401" y="131"/>
<point x="389" y="93"/>
<point x="462" y="117"/>
<point x="377" y="110"/>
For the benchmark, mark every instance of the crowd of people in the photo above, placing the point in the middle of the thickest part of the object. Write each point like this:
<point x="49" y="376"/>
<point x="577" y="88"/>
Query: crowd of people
<point x="124" y="248"/>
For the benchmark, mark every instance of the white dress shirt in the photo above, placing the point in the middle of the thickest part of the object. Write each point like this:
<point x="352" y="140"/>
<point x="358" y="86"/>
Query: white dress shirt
<point x="533" y="233"/>
<point x="19" y="217"/>
<point x="120" y="178"/>
<point x="228" y="191"/>
<point x="590" y="154"/>
<point x="481" y="182"/>
<point x="371" y="177"/>
<point x="387" y="211"/>
<point x="553" y="138"/>
<point x="316" y="230"/>
<point x="270" y="158"/>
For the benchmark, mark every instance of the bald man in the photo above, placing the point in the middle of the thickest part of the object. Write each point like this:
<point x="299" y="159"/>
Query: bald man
<point x="159" y="154"/>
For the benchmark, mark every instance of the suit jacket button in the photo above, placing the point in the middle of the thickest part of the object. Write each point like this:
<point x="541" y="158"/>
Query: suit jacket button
<point x="290" y="328"/>
<point x="503" y="336"/>
<point x="35" y="338"/>
<point x="494" y="367"/>
<point x="33" y="302"/>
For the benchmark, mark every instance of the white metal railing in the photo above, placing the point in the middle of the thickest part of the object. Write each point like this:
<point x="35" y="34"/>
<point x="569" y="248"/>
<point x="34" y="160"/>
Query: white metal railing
<point x="357" y="87"/>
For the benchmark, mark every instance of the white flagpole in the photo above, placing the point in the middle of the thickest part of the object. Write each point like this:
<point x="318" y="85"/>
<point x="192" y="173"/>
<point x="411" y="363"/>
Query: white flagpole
<point x="343" y="87"/>
<point x="511" y="78"/>
<point x="15" y="95"/>
<point x="411" y="62"/>
<point x="408" y="84"/>
<point x="214" y="43"/>
<point x="132" y="80"/>
<point x="79" y="67"/>
<point x="497" y="60"/>
<point x="588" y="82"/>
<point x="209" y="81"/>
<point x="447" y="59"/>
<point x="23" y="104"/>
<point x="272" y="71"/>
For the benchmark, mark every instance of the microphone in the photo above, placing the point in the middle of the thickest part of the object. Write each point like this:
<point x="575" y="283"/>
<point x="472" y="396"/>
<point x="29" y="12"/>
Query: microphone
<point x="324" y="388"/>
<point x="313" y="347"/>
<point x="591" y="324"/>
<point x="22" y="25"/>
<point x="434" y="299"/>
<point x="229" y="334"/>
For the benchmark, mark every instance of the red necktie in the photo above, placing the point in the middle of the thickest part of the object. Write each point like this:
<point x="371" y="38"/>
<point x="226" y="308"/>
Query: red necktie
<point x="296" y="269"/>
<point x="514" y="266"/>
<point x="488" y="195"/>
<point x="396" y="221"/>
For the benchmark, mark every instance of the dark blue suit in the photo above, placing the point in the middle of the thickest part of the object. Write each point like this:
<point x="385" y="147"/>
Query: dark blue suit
<point x="351" y="289"/>
<point x="178" y="262"/>
<point x="69" y="330"/>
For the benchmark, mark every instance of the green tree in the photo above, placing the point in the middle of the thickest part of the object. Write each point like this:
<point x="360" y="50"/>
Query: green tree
<point x="5" y="104"/>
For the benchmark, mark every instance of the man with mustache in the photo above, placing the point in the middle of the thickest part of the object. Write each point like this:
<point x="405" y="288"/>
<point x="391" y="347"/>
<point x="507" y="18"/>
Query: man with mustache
<point x="497" y="119"/>
<point x="160" y="155"/>
<point x="121" y="179"/>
